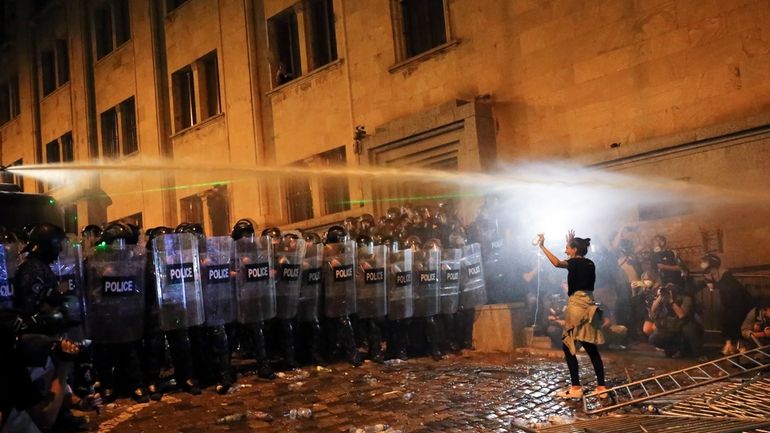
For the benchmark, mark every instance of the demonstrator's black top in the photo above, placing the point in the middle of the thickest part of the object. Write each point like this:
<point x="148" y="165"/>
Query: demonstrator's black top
<point x="581" y="275"/>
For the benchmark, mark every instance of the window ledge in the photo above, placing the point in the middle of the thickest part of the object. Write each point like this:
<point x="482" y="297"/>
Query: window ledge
<point x="112" y="53"/>
<point x="309" y="75"/>
<point x="197" y="126"/>
<point x="9" y="122"/>
<point x="55" y="91"/>
<point x="423" y="56"/>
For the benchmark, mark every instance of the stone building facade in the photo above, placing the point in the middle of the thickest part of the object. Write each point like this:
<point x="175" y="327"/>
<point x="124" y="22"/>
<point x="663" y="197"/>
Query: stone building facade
<point x="677" y="89"/>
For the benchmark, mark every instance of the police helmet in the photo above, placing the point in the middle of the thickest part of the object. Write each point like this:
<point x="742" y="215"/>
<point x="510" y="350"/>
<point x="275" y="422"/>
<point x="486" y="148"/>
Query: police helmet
<point x="45" y="242"/>
<point x="242" y="228"/>
<point x="336" y="234"/>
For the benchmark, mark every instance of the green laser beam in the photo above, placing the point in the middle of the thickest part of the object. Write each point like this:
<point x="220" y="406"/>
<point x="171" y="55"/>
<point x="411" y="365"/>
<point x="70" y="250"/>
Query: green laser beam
<point x="415" y="197"/>
<point x="168" y="188"/>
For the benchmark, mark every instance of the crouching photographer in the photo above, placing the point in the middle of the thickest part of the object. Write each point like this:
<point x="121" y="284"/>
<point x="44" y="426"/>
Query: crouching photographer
<point x="677" y="327"/>
<point x="34" y="395"/>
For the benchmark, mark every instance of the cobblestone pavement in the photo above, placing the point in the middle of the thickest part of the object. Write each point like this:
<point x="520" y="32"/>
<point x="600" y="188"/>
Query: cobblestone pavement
<point x="466" y="393"/>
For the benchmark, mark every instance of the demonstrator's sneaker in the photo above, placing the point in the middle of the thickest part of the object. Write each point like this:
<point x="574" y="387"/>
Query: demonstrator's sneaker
<point x="571" y="392"/>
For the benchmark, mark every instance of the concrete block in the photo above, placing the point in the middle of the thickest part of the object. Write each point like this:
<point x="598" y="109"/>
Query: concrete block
<point x="498" y="327"/>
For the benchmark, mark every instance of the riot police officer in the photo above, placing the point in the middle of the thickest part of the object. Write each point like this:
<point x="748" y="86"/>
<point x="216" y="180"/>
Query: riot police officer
<point x="255" y="290"/>
<point x="289" y="252"/>
<point x="340" y="290"/>
<point x="371" y="298"/>
<point x="115" y="287"/>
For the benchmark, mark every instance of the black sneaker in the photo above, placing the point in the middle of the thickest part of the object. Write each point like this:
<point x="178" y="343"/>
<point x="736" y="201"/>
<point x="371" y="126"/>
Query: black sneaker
<point x="154" y="392"/>
<point x="223" y="388"/>
<point x="191" y="387"/>
<point x="108" y="395"/>
<point x="140" y="396"/>
<point x="265" y="371"/>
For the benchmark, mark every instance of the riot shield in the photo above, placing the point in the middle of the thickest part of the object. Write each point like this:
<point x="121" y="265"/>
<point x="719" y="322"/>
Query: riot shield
<point x="309" y="305"/>
<point x="115" y="298"/>
<point x="450" y="279"/>
<point x="9" y="261"/>
<point x="178" y="280"/>
<point x="494" y="272"/>
<point x="371" y="296"/>
<point x="400" y="296"/>
<point x="288" y="263"/>
<point x="68" y="268"/>
<point x="255" y="279"/>
<point x="425" y="278"/>
<point x="472" y="288"/>
<point x="219" y="302"/>
<point x="339" y="282"/>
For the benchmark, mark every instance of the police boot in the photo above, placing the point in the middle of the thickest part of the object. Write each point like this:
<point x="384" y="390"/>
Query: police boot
<point x="154" y="391"/>
<point x="447" y="320"/>
<point x="348" y="341"/>
<point x="375" y="342"/>
<point x="402" y="338"/>
<point x="264" y="370"/>
<point x="289" y="354"/>
<point x="315" y="344"/>
<point x="140" y="395"/>
<point x="432" y="333"/>
<point x="220" y="365"/>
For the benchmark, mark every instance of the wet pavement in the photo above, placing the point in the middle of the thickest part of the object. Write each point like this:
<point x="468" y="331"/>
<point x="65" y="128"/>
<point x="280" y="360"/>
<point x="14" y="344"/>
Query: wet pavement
<point x="463" y="393"/>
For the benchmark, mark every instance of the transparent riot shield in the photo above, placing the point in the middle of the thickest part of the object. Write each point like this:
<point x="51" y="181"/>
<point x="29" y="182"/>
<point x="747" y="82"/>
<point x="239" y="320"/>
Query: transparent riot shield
<point x="309" y="305"/>
<point x="68" y="268"/>
<point x="339" y="282"/>
<point x="178" y="280"/>
<point x="400" y="296"/>
<point x="494" y="272"/>
<point x="371" y="284"/>
<point x="219" y="304"/>
<point x="255" y="279"/>
<point x="472" y="288"/>
<point x="9" y="261"/>
<point x="288" y="263"/>
<point x="426" y="263"/>
<point x="115" y="295"/>
<point x="451" y="258"/>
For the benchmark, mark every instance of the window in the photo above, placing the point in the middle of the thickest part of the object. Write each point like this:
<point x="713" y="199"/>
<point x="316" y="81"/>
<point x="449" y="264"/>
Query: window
<point x="59" y="150"/>
<point x="319" y="33"/>
<point x="423" y="26"/>
<point x="119" y="130"/>
<point x="284" y="42"/>
<point x="336" y="193"/>
<point x="192" y="209"/>
<point x="190" y="106"/>
<point x="299" y="200"/>
<point x="110" y="133"/>
<point x="210" y="96"/>
<point x="8" y="177"/>
<point x="128" y="126"/>
<point x="323" y="38"/>
<point x="112" y="26"/>
<point x="184" y="98"/>
<point x="54" y="66"/>
<point x="9" y="100"/>
<point x="173" y="4"/>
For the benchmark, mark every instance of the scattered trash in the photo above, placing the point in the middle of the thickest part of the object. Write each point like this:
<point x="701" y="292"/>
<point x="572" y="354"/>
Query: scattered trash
<point x="394" y="361"/>
<point x="293" y="375"/>
<point x="559" y="420"/>
<point x="376" y="428"/>
<point x="323" y="369"/>
<point x="235" y="388"/>
<point x="249" y="414"/>
<point x="296" y="385"/>
<point x="408" y="396"/>
<point x="300" y="413"/>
